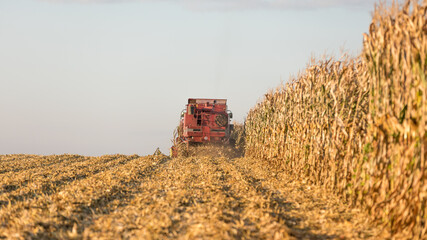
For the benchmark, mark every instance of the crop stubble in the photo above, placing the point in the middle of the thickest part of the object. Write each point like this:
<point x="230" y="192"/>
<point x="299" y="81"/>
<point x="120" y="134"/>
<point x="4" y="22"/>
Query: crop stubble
<point x="155" y="197"/>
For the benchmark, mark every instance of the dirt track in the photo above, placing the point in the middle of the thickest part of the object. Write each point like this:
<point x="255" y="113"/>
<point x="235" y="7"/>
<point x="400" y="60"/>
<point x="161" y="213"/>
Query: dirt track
<point x="157" y="197"/>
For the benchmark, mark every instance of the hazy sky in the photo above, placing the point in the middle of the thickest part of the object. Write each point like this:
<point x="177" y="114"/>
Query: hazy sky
<point x="96" y="77"/>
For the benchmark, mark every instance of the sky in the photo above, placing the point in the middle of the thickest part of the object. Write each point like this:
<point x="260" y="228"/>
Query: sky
<point x="95" y="77"/>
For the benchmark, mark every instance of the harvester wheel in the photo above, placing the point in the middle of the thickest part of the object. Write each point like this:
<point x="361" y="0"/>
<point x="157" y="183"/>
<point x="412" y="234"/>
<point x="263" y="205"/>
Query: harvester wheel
<point x="183" y="149"/>
<point x="232" y="142"/>
<point x="179" y="149"/>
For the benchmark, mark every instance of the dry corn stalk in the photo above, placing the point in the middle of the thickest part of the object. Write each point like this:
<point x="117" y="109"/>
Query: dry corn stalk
<point x="392" y="182"/>
<point x="358" y="126"/>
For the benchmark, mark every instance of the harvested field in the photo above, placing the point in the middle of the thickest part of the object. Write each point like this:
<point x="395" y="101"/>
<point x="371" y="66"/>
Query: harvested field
<point x="155" y="197"/>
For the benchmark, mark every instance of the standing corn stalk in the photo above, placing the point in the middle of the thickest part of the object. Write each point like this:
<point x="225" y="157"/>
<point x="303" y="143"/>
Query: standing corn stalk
<point x="394" y="177"/>
<point x="358" y="126"/>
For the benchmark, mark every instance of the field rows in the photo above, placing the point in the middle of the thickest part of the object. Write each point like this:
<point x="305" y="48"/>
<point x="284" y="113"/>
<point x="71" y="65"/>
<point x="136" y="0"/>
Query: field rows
<point x="155" y="197"/>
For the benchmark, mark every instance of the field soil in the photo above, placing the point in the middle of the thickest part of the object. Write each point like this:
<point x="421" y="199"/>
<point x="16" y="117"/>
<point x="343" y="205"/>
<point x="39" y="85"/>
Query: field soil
<point x="205" y="196"/>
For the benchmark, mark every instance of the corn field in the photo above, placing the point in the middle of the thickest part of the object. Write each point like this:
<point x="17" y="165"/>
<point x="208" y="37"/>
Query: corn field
<point x="358" y="125"/>
<point x="351" y="129"/>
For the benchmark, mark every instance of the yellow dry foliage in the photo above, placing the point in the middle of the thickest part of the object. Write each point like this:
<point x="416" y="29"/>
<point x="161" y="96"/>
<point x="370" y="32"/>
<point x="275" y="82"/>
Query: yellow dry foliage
<point x="358" y="126"/>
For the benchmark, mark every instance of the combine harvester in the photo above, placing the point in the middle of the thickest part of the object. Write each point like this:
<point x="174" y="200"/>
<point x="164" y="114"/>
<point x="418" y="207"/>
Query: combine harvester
<point x="202" y="121"/>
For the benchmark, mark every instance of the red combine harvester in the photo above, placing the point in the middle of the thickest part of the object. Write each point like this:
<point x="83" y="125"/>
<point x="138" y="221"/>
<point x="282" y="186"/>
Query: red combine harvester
<point x="203" y="121"/>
